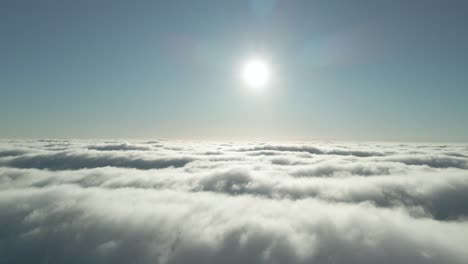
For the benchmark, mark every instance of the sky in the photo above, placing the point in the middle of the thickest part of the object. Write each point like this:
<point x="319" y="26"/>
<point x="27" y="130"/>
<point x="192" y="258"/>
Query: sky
<point x="341" y="70"/>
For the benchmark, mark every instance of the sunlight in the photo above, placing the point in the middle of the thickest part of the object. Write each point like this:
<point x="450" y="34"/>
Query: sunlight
<point x="256" y="73"/>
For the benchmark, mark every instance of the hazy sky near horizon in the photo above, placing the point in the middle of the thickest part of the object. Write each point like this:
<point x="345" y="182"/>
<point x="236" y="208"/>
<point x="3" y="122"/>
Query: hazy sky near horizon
<point x="345" y="70"/>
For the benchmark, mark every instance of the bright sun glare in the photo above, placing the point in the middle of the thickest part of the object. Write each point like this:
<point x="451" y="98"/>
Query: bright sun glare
<point x="256" y="73"/>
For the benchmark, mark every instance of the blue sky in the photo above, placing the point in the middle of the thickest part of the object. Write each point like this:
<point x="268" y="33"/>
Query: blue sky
<point x="343" y="70"/>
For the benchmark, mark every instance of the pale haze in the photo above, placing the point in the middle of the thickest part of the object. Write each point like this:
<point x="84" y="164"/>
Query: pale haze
<point x="342" y="70"/>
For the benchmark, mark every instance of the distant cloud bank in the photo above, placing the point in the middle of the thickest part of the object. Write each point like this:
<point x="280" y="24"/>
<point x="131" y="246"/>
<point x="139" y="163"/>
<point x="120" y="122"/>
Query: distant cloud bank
<point x="70" y="201"/>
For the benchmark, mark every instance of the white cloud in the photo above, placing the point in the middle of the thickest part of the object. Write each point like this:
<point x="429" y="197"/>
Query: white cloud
<point x="207" y="202"/>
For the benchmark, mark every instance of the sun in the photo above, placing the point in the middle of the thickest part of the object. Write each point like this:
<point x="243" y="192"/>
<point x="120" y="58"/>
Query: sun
<point x="256" y="73"/>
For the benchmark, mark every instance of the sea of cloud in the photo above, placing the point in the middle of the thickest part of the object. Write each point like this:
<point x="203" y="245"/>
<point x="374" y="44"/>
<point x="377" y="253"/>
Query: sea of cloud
<point x="96" y="201"/>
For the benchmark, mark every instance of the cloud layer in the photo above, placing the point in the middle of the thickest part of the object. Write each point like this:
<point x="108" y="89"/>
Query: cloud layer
<point x="232" y="202"/>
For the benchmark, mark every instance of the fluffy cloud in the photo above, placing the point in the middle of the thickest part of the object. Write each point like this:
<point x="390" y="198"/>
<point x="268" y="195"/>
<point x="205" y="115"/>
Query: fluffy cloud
<point x="208" y="202"/>
<point x="313" y="150"/>
<point x="74" y="161"/>
<point x="123" y="146"/>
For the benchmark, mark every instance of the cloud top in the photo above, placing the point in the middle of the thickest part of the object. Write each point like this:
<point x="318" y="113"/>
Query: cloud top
<point x="240" y="202"/>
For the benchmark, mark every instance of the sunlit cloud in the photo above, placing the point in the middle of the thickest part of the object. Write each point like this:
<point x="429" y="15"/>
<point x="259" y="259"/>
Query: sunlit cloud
<point x="186" y="202"/>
